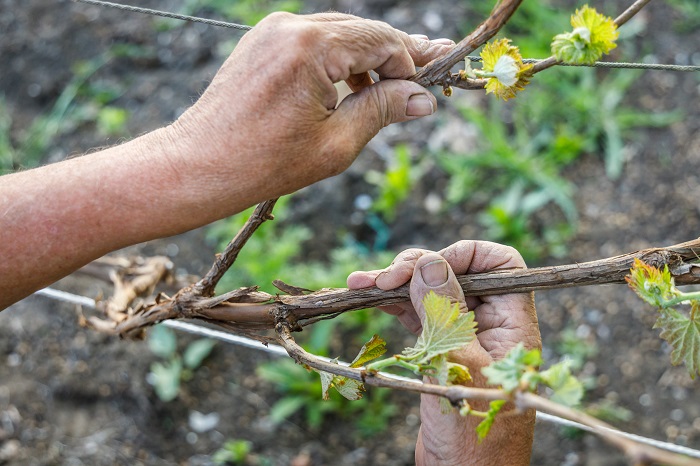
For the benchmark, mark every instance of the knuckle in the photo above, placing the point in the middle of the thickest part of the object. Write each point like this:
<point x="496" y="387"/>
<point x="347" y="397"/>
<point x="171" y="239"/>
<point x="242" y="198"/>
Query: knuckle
<point x="276" y="18"/>
<point x="380" y="99"/>
<point x="411" y="254"/>
<point x="514" y="256"/>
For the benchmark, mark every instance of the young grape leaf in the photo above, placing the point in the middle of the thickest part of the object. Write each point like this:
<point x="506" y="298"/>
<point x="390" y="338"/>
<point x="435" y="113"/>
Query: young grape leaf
<point x="568" y="390"/>
<point x="445" y="329"/>
<point x="653" y="285"/>
<point x="517" y="363"/>
<point x="349" y="388"/>
<point x="683" y="334"/>
<point x="374" y="348"/>
<point x="457" y="374"/>
<point x="326" y="381"/>
<point x="485" y="426"/>
<point x="449" y="373"/>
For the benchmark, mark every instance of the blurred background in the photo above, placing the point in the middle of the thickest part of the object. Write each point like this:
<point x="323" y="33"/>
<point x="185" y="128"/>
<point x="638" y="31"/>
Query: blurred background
<point x="584" y="164"/>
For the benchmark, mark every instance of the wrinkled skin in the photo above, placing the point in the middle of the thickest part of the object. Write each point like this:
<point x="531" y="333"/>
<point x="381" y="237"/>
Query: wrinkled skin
<point x="503" y="321"/>
<point x="275" y="101"/>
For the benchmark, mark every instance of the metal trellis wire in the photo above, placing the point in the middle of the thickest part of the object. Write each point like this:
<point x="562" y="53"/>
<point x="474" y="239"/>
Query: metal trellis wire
<point x="244" y="27"/>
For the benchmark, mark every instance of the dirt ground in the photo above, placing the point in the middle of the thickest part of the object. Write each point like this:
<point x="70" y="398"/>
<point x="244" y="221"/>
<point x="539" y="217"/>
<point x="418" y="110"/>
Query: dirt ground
<point x="70" y="396"/>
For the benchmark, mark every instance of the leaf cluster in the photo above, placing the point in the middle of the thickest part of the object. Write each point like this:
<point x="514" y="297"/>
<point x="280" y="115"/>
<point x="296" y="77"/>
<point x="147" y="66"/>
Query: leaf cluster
<point x="680" y="330"/>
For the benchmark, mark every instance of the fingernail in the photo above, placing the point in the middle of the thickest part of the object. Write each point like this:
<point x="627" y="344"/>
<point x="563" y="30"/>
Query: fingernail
<point x="419" y="105"/>
<point x="420" y="36"/>
<point x="443" y="41"/>
<point x="434" y="273"/>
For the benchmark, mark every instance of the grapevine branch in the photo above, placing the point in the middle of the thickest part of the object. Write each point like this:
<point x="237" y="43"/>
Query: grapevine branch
<point x="438" y="71"/>
<point x="225" y="260"/>
<point x="637" y="453"/>
<point x="248" y="309"/>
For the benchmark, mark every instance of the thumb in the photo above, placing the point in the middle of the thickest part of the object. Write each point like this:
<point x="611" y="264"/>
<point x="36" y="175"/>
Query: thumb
<point x="362" y="114"/>
<point x="433" y="273"/>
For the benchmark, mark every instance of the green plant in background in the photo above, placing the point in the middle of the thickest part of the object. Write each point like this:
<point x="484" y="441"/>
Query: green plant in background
<point x="301" y="390"/>
<point x="578" y="350"/>
<point x="111" y="121"/>
<point x="575" y="348"/>
<point x="600" y="115"/>
<point x="514" y="175"/>
<point x="233" y="452"/>
<point x="166" y="376"/>
<point x="80" y="101"/>
<point x="239" y="452"/>
<point x="508" y="219"/>
<point x="35" y="140"/>
<point x="689" y="14"/>
<point x="394" y="184"/>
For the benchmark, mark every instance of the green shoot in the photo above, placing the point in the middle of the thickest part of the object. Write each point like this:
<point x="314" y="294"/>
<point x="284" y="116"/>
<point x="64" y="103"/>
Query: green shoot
<point x="484" y="426"/>
<point x="445" y="329"/>
<point x="680" y="330"/>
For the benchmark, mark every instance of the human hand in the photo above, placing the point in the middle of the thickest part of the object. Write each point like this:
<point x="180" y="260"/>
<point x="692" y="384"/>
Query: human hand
<point x="268" y="123"/>
<point x="503" y="321"/>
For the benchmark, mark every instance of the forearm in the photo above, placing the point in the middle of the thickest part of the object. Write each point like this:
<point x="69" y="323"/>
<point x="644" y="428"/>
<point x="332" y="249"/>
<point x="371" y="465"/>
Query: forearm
<point x="57" y="218"/>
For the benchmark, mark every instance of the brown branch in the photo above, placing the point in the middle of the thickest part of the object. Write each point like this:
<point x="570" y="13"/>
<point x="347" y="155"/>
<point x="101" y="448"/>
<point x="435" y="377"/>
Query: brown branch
<point x="637" y="452"/>
<point x="438" y="70"/>
<point x="249" y="310"/>
<point x="224" y="261"/>
<point x="630" y="12"/>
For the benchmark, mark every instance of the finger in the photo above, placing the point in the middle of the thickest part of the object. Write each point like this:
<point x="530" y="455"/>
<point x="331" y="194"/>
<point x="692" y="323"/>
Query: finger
<point x="406" y="314"/>
<point x="468" y="256"/>
<point x="423" y="50"/>
<point x="433" y="273"/>
<point x="401" y="269"/>
<point x="361" y="115"/>
<point x="361" y="279"/>
<point x="357" y="46"/>
<point x="357" y="82"/>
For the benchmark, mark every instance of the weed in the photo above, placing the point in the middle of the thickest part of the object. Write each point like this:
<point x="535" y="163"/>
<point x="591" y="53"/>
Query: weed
<point x="35" y="140"/>
<point x="689" y="12"/>
<point x="166" y="376"/>
<point x="80" y="101"/>
<point x="233" y="452"/>
<point x="395" y="183"/>
<point x="301" y="391"/>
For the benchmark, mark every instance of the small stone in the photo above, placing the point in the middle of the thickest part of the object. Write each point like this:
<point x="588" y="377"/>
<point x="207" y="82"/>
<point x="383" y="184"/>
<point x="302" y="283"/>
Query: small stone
<point x="200" y="422"/>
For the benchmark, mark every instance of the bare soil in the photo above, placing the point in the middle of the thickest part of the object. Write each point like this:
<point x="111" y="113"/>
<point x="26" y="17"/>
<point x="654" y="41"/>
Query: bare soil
<point x="70" y="396"/>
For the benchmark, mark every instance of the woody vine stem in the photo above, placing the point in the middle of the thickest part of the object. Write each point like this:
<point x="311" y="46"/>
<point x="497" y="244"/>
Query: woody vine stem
<point x="249" y="311"/>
